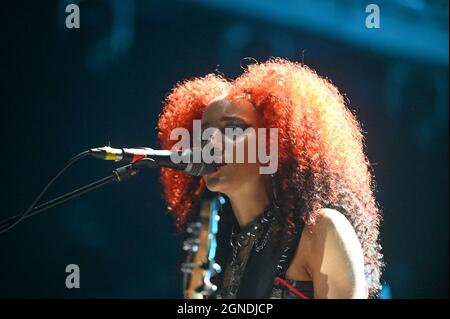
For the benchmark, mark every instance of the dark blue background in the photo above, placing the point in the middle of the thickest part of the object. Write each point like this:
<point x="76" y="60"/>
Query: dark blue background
<point x="64" y="91"/>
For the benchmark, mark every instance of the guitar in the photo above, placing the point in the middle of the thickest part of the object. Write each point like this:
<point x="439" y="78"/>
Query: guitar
<point x="201" y="246"/>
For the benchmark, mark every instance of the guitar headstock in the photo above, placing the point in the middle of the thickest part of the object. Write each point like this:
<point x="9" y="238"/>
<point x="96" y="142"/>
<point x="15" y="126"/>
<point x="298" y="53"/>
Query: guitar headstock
<point x="201" y="245"/>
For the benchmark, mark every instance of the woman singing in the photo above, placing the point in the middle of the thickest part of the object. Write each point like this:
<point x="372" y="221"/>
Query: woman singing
<point x="310" y="229"/>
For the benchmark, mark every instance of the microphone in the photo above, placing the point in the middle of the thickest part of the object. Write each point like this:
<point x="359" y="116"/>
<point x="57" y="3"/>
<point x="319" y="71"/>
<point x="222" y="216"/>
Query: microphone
<point x="163" y="158"/>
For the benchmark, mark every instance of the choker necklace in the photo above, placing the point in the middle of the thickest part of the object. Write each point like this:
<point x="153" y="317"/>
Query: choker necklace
<point x="259" y="230"/>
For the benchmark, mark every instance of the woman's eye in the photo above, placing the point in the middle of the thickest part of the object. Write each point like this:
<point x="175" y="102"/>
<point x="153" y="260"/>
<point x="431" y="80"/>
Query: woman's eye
<point x="235" y="131"/>
<point x="236" y="126"/>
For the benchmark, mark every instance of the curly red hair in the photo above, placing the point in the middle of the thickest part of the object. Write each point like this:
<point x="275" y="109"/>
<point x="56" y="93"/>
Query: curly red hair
<point x="321" y="147"/>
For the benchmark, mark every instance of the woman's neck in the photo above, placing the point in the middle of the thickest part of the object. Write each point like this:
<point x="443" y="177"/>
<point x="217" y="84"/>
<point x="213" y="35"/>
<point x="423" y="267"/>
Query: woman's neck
<point x="250" y="201"/>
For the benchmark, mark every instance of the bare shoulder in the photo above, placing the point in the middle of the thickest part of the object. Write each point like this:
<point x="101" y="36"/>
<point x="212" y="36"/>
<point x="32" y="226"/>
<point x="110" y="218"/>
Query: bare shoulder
<point x="331" y="255"/>
<point x="328" y="222"/>
<point x="335" y="258"/>
<point x="331" y="235"/>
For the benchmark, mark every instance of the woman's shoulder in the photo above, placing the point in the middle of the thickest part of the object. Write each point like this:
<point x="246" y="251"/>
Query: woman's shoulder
<point x="328" y="221"/>
<point x="312" y="241"/>
<point x="334" y="256"/>
<point x="330" y="235"/>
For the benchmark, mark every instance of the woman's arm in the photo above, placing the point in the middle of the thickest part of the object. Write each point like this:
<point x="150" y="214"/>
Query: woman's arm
<point x="335" y="260"/>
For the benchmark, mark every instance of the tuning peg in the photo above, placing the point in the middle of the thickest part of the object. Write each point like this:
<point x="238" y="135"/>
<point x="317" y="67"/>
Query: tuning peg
<point x="191" y="244"/>
<point x="194" y="228"/>
<point x="206" y="289"/>
<point x="187" y="267"/>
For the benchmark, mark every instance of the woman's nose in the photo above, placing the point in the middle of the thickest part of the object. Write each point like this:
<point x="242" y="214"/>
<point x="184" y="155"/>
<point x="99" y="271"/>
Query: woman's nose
<point x="215" y="141"/>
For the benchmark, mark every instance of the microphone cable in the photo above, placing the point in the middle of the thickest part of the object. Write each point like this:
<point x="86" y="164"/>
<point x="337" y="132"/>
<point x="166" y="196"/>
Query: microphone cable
<point x="74" y="159"/>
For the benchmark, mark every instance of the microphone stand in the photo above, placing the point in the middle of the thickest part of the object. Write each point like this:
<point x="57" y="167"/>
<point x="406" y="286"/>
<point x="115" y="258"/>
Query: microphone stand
<point x="118" y="175"/>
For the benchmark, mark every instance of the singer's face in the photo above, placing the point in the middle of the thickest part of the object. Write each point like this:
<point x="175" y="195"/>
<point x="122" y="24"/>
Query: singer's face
<point x="235" y="176"/>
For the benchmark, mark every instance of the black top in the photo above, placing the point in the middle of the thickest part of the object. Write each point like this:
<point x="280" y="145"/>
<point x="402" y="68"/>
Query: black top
<point x="260" y="255"/>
